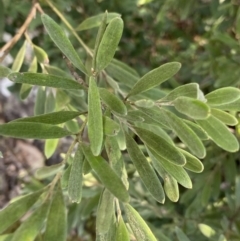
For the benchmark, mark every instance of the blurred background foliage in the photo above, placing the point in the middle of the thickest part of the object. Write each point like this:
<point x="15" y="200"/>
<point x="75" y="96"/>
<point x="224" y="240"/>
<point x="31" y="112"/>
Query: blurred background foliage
<point x="204" y="36"/>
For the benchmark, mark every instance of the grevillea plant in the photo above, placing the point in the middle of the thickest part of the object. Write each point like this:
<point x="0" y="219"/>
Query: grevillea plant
<point x="112" y="116"/>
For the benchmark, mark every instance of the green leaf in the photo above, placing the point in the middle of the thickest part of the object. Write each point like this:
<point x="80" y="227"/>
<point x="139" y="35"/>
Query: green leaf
<point x="96" y="21"/>
<point x="40" y="54"/>
<point x="6" y="237"/>
<point x="17" y="209"/>
<point x="45" y="80"/>
<point x="224" y="117"/>
<point x="53" y="118"/>
<point x="181" y="235"/>
<point x="61" y="40"/>
<point x="105" y="212"/>
<point x="154" y="116"/>
<point x="206" y="230"/>
<point x="18" y="61"/>
<point x="140" y="229"/>
<point x="115" y="158"/>
<point x="220" y="134"/>
<point x="119" y="73"/>
<point x="26" y="88"/>
<point x="28" y="130"/>
<point x="125" y="67"/>
<point x="109" y="43"/>
<point x="39" y="107"/>
<point x="50" y="102"/>
<point x="50" y="147"/>
<point x="53" y="70"/>
<point x="222" y="238"/>
<point x="110" y="127"/>
<point x="161" y="146"/>
<point x="145" y="170"/>
<point x="197" y="129"/>
<point x="155" y="78"/>
<point x="75" y="179"/>
<point x="195" y="109"/>
<point x="233" y="106"/>
<point x="47" y="171"/>
<point x="4" y="71"/>
<point x="72" y="126"/>
<point x="144" y="103"/>
<point x="113" y="102"/>
<point x="106" y="175"/>
<point x="56" y="228"/>
<point x="86" y="167"/>
<point x="175" y="171"/>
<point x="100" y="34"/>
<point x="193" y="164"/>
<point x="95" y="120"/>
<point x="65" y="177"/>
<point x="122" y="232"/>
<point x="206" y="194"/>
<point x="223" y="96"/>
<point x="185" y="134"/>
<point x="188" y="90"/>
<point x="30" y="228"/>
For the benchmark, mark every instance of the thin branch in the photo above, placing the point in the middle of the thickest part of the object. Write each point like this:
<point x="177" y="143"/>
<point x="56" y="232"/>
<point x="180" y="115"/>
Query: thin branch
<point x="74" y="73"/>
<point x="7" y="47"/>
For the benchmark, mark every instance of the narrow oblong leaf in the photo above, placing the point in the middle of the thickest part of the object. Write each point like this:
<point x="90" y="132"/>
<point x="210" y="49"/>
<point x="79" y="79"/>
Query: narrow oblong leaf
<point x="40" y="54"/>
<point x="224" y="117"/>
<point x="155" y="77"/>
<point x="48" y="171"/>
<point x="193" y="108"/>
<point x="220" y="134"/>
<point x="95" y="120"/>
<point x="113" y="102"/>
<point x="4" y="71"/>
<point x="17" y="209"/>
<point x="122" y="232"/>
<point x="28" y="130"/>
<point x="206" y="230"/>
<point x="100" y="34"/>
<point x="65" y="177"/>
<point x="109" y="43"/>
<point x="140" y="229"/>
<point x="233" y="106"/>
<point x="223" y="96"/>
<point x="56" y="228"/>
<point x="105" y="212"/>
<point x="115" y="159"/>
<point x="121" y="74"/>
<point x="106" y="175"/>
<point x="193" y="164"/>
<point x="6" y="237"/>
<point x="197" y="129"/>
<point x="53" y="118"/>
<point x="30" y="228"/>
<point x="61" y="40"/>
<point x="75" y="178"/>
<point x="95" y="21"/>
<point x="18" y="61"/>
<point x="185" y="134"/>
<point x="50" y="147"/>
<point x="45" y="80"/>
<point x="110" y="127"/>
<point x="170" y="183"/>
<point x="145" y="170"/>
<point x="181" y="235"/>
<point x="144" y="103"/>
<point x="188" y="90"/>
<point x="26" y="88"/>
<point x="39" y="107"/>
<point x="161" y="146"/>
<point x="177" y="172"/>
<point x="50" y="103"/>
